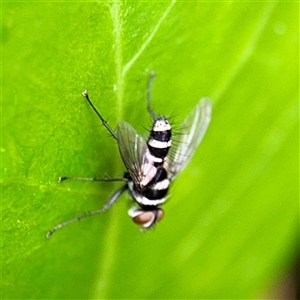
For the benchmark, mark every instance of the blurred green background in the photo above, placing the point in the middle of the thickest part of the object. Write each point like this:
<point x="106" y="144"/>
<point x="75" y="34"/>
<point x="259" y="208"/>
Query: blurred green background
<point x="231" y="224"/>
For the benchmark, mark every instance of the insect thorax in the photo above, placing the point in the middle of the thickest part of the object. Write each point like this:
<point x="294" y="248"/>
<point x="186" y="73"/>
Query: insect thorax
<point x="154" y="193"/>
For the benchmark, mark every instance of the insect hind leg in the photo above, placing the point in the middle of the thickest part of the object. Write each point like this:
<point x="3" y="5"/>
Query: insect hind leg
<point x="86" y="96"/>
<point x="149" y="95"/>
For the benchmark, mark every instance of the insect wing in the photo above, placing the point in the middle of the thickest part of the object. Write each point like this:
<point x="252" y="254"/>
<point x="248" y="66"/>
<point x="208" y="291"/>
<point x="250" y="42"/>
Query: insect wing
<point x="191" y="132"/>
<point x="134" y="151"/>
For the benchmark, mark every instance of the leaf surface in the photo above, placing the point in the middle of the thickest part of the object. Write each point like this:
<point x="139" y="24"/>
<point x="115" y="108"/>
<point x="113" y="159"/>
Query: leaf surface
<point x="230" y="229"/>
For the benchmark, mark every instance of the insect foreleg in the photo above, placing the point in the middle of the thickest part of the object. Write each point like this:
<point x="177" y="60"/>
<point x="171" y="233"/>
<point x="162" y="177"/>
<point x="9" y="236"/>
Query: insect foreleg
<point x="86" y="96"/>
<point x="107" y="205"/>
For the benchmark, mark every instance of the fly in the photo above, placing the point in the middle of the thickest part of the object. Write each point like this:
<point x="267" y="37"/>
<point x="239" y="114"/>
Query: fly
<point x="151" y="165"/>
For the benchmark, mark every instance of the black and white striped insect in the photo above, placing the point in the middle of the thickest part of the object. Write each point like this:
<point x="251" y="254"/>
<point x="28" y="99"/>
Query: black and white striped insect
<point x="153" y="164"/>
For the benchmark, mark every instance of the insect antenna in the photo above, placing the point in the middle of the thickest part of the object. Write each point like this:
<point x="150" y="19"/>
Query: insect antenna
<point x="86" y="96"/>
<point x="149" y="96"/>
<point x="107" y="205"/>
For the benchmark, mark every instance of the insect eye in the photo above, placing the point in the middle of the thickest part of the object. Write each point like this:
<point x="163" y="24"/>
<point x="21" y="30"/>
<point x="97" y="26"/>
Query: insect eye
<point x="146" y="218"/>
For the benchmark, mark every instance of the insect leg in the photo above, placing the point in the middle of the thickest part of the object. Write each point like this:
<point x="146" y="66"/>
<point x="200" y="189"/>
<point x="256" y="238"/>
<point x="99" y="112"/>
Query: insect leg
<point x="107" y="205"/>
<point x="149" y="94"/>
<point x="86" y="96"/>
<point x="63" y="178"/>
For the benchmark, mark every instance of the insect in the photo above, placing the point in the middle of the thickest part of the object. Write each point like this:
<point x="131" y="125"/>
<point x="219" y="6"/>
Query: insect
<point x="151" y="165"/>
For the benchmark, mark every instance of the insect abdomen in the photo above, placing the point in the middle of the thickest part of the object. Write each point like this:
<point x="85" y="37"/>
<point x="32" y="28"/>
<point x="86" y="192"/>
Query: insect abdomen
<point x="160" y="140"/>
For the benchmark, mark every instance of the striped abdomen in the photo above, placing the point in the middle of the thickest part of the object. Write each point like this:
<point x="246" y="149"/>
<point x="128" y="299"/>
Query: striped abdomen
<point x="160" y="140"/>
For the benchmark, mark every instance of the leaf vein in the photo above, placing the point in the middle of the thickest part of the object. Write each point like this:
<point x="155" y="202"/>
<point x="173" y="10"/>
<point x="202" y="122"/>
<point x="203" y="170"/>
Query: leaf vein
<point x="129" y="64"/>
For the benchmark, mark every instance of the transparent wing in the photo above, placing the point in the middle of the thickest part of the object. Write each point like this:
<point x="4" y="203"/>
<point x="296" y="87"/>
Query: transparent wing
<point x="134" y="150"/>
<point x="191" y="132"/>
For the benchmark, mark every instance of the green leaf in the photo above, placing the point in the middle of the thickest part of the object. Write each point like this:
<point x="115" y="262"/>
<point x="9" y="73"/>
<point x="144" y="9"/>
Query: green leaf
<point x="230" y="229"/>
